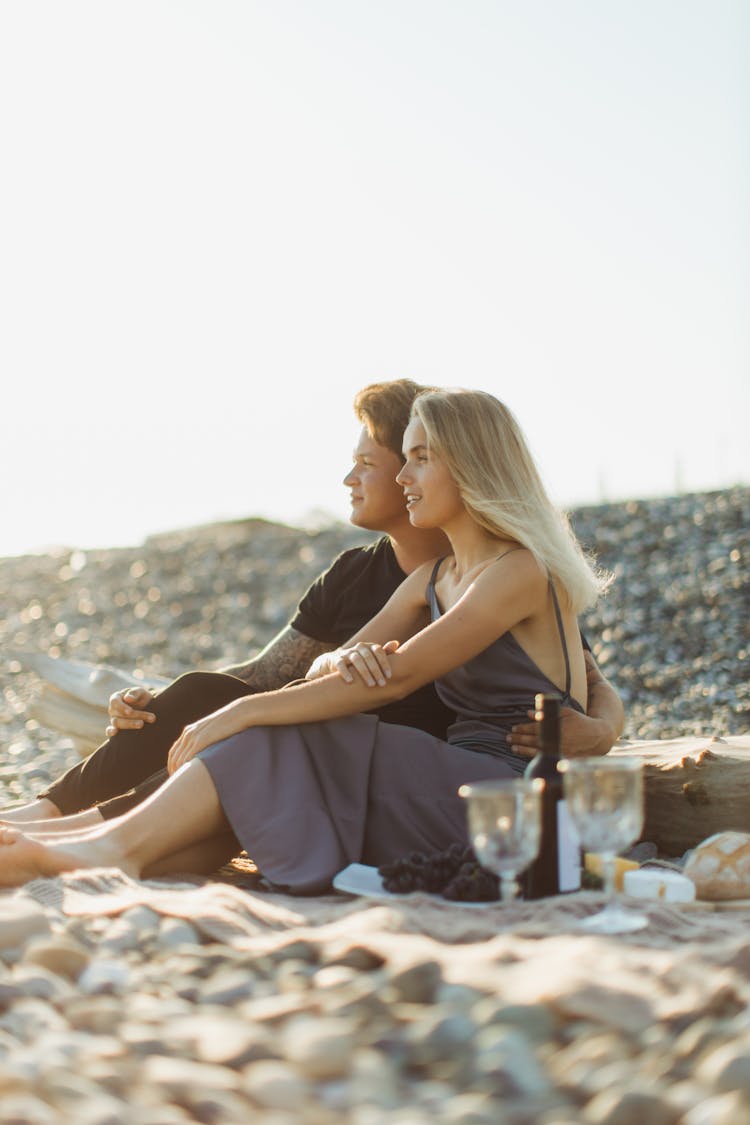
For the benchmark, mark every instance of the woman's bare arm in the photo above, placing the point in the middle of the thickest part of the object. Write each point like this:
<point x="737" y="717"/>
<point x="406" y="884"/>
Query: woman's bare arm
<point x="491" y="605"/>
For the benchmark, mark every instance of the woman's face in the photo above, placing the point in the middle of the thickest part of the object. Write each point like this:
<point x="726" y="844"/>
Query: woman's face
<point x="432" y="496"/>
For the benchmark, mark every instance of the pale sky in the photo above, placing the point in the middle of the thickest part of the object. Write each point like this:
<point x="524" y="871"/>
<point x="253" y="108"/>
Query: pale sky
<point x="220" y="218"/>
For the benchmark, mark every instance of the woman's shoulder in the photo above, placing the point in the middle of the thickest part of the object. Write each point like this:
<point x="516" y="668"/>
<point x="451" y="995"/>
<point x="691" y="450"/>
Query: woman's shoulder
<point x="516" y="565"/>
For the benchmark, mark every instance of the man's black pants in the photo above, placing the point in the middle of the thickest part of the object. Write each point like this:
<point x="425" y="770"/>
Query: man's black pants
<point x="125" y="769"/>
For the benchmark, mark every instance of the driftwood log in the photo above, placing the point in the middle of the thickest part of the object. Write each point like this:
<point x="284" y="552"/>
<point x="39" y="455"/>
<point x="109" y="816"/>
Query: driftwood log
<point x="694" y="786"/>
<point x="71" y="696"/>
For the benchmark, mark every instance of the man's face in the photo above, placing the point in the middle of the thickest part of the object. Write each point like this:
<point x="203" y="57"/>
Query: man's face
<point x="377" y="501"/>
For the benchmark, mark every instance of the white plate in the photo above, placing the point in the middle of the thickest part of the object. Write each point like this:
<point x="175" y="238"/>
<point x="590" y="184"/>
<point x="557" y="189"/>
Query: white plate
<point x="359" y="879"/>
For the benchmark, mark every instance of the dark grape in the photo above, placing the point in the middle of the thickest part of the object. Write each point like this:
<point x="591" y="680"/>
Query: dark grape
<point x="455" y="873"/>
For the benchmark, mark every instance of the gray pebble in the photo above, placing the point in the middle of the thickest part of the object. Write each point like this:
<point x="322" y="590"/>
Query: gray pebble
<point x="275" y="1085"/>
<point x="630" y="1107"/>
<point x="59" y="953"/>
<point x="727" y="1068"/>
<point x="222" y="1040"/>
<point x="20" y="920"/>
<point x="416" y="984"/>
<point x="504" y="1060"/>
<point x="105" y="975"/>
<point x="319" y="1047"/>
<point x="724" y="1109"/>
<point x="25" y="1109"/>
<point x="227" y="988"/>
<point x="177" y="932"/>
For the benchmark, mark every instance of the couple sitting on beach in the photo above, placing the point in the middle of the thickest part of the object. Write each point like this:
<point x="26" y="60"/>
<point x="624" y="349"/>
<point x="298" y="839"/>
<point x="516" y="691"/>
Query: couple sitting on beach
<point x="482" y="582"/>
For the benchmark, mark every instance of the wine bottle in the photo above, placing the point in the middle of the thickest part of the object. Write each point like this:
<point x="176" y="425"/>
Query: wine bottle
<point x="557" y="868"/>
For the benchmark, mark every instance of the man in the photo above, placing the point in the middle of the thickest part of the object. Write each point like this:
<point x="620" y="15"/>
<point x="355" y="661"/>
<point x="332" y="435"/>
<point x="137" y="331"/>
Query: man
<point x="143" y="727"/>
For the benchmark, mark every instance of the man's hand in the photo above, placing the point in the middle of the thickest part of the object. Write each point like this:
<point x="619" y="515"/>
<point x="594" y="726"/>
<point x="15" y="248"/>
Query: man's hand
<point x="581" y="736"/>
<point x="127" y="710"/>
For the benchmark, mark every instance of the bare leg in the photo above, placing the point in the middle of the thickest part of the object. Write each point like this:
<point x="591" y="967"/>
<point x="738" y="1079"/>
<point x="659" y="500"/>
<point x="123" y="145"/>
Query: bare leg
<point x="184" y="812"/>
<point x="199" y="859"/>
<point x="40" y="809"/>
<point x="57" y="825"/>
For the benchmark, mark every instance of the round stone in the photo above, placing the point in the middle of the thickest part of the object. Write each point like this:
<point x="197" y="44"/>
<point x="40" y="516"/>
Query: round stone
<point x="275" y="1085"/>
<point x="21" y="919"/>
<point x="319" y="1048"/>
<point x="60" y="954"/>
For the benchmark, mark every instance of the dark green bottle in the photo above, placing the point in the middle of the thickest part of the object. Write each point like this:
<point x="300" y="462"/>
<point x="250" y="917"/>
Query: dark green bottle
<point x="557" y="868"/>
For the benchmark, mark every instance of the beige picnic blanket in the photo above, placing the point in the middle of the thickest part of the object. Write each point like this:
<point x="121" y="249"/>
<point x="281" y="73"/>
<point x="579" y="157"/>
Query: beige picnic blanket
<point x="227" y="913"/>
<point x="688" y="963"/>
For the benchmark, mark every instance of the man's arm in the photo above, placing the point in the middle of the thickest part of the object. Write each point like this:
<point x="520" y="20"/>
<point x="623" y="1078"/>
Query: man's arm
<point x="580" y="735"/>
<point x="287" y="657"/>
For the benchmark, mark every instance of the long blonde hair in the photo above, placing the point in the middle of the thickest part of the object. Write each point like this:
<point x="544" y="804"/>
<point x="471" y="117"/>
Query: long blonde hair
<point x="483" y="447"/>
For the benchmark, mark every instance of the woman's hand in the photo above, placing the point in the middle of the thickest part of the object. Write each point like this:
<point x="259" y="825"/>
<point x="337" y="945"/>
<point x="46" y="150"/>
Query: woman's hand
<point x="127" y="710"/>
<point x="205" y="732"/>
<point x="368" y="661"/>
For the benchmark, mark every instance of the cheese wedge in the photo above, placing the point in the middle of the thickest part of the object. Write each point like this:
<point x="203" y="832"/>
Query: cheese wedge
<point x="592" y="863"/>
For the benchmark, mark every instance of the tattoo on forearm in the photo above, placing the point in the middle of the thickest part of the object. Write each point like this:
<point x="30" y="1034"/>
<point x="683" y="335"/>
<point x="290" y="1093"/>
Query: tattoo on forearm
<point x="287" y="657"/>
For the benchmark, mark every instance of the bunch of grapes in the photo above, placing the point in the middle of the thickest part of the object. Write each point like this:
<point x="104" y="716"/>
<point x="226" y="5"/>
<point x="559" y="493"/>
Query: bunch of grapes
<point x="456" y="874"/>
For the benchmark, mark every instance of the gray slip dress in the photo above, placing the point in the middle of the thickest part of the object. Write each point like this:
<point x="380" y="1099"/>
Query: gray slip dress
<point x="305" y="801"/>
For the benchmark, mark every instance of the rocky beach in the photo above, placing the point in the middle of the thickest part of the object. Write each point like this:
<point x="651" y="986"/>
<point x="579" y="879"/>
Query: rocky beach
<point x="159" y="1004"/>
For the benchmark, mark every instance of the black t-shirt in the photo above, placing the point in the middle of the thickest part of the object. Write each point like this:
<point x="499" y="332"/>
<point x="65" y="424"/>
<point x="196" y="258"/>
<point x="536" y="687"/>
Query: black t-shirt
<point x="355" y="587"/>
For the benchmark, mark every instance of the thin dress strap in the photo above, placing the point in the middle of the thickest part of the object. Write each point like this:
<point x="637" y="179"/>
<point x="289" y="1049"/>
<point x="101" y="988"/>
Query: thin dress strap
<point x="436" y="568"/>
<point x="558" y="615"/>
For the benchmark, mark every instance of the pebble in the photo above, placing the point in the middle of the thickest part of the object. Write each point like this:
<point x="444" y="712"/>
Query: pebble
<point x="60" y="954"/>
<point x="177" y="932"/>
<point x="317" y="1047"/>
<point x="105" y="975"/>
<point x="20" y="919"/>
<point x="275" y="1085"/>
<point x="416" y="984"/>
<point x="727" y="1067"/>
<point x="630" y="1107"/>
<point x="224" y="1040"/>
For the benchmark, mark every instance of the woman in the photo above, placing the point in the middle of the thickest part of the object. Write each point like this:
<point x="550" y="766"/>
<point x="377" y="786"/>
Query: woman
<point x="300" y="777"/>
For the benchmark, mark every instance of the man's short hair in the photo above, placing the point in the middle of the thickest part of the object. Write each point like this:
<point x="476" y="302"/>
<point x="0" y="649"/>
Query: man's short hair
<point x="384" y="408"/>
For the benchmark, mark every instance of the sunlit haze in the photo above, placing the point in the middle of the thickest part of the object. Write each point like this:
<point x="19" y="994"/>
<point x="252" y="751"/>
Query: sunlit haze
<point x="220" y="218"/>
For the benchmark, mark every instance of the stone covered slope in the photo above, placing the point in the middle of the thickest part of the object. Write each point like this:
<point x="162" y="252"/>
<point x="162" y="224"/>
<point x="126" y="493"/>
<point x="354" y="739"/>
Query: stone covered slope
<point x="673" y="633"/>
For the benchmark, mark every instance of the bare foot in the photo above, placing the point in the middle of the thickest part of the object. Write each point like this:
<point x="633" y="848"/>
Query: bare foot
<point x="22" y="859"/>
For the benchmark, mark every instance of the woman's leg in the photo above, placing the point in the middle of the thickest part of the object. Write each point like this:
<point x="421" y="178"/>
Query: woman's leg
<point x="130" y="757"/>
<point x="183" y="813"/>
<point x="198" y="859"/>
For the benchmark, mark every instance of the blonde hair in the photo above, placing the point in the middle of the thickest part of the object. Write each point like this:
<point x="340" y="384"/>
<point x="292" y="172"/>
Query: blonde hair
<point x="483" y="447"/>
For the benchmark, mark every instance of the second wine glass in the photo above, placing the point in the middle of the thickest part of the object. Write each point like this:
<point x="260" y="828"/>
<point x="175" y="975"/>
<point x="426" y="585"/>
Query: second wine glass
<point x="605" y="801"/>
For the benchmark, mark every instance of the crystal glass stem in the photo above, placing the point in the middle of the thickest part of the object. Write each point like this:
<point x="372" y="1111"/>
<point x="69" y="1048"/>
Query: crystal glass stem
<point x="608" y="876"/>
<point x="508" y="888"/>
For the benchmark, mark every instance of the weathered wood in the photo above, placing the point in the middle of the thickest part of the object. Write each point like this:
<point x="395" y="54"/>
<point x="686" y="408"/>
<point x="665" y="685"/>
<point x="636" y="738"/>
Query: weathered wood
<point x="72" y="695"/>
<point x="694" y="787"/>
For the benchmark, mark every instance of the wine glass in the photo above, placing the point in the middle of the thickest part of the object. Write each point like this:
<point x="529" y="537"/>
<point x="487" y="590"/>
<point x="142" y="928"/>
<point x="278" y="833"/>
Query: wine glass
<point x="605" y="801"/>
<point x="505" y="825"/>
